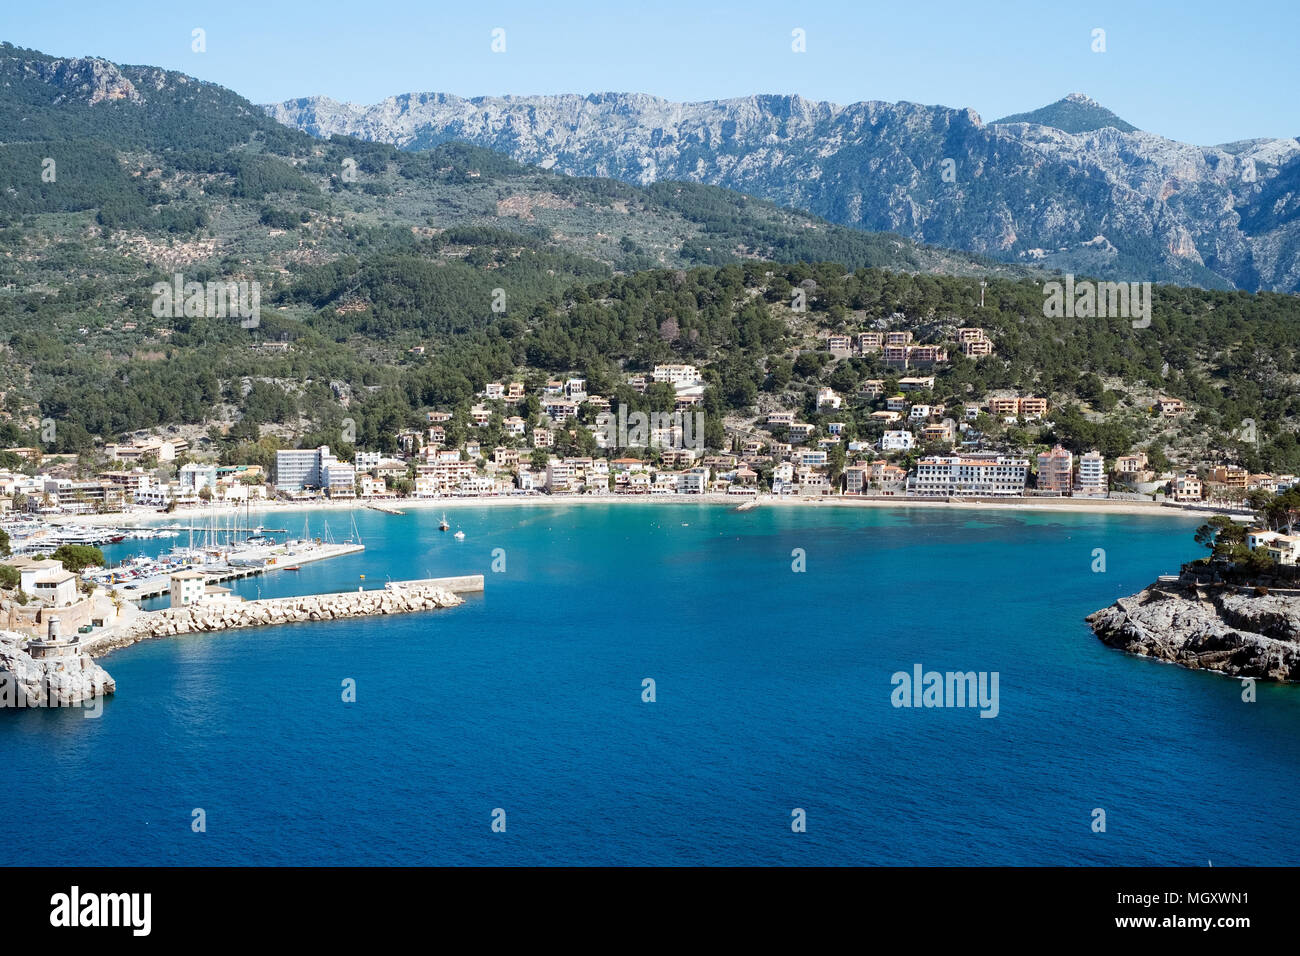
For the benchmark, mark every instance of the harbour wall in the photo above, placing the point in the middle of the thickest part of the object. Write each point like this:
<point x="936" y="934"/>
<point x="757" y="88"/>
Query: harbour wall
<point x="398" y="597"/>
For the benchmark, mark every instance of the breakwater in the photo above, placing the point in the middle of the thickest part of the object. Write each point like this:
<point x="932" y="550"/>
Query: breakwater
<point x="398" y="597"/>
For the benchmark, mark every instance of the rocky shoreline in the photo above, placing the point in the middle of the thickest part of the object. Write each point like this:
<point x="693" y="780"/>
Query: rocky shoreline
<point x="1222" y="628"/>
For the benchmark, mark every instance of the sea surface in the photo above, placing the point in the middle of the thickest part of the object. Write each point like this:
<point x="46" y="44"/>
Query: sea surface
<point x="772" y="694"/>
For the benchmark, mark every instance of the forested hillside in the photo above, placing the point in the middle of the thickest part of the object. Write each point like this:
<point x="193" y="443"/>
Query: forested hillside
<point x="397" y="281"/>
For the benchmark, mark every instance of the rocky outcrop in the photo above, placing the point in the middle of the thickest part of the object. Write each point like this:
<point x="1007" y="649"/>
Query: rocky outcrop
<point x="88" y="79"/>
<point x="237" y="614"/>
<point x="49" y="682"/>
<point x="1233" y="631"/>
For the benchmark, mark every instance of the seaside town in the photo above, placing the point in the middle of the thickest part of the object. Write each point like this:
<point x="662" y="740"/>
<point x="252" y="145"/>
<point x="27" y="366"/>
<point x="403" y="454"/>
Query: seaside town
<point x="890" y="437"/>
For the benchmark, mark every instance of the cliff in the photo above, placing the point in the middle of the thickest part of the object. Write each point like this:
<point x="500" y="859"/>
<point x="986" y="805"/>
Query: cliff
<point x="1221" y="628"/>
<point x="52" y="682"/>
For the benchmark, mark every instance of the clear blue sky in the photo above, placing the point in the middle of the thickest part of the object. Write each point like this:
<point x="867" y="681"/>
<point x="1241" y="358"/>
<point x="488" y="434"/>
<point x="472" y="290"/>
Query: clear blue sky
<point x="1202" y="71"/>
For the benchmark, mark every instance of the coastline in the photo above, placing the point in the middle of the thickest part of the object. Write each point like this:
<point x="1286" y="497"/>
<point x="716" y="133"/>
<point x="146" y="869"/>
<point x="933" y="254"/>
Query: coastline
<point x="1100" y="506"/>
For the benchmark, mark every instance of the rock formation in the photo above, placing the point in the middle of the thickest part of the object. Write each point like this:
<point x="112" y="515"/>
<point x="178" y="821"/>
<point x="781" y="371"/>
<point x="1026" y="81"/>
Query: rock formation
<point x="1232" y="630"/>
<point x="47" y="682"/>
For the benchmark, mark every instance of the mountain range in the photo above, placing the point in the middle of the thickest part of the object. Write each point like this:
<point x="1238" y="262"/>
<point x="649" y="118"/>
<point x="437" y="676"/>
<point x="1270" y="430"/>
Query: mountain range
<point x="1069" y="186"/>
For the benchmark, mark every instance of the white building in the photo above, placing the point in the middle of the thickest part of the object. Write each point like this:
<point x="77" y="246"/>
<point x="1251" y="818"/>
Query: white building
<point x="897" y="441"/>
<point x="677" y="374"/>
<point x="368" y="460"/>
<point x="187" y="587"/>
<point x="826" y="397"/>
<point x="1091" y="481"/>
<point x="972" y="477"/>
<point x="195" y="477"/>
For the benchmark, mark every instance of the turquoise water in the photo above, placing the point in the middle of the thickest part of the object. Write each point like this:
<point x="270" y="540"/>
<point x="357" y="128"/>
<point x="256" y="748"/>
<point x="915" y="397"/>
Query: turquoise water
<point x="772" y="693"/>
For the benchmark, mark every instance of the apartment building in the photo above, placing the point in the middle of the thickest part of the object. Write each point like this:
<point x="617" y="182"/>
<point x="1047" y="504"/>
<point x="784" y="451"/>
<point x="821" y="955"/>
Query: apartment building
<point x="163" y="449"/>
<point x="1091" y="481"/>
<point x="300" y="468"/>
<point x="677" y="374"/>
<point x="561" y="476"/>
<point x="560" y="410"/>
<point x="1056" y="471"/>
<point x="443" y="476"/>
<point x="855" y="479"/>
<point x="969" y="477"/>
<point x="339" y="479"/>
<point x="135" y="482"/>
<point x="944" y="432"/>
<point x="1188" y="488"/>
<point x="896" y="355"/>
<point x="1033" y="407"/>
<point x="923" y="356"/>
<point x="1231" y="476"/>
<point x="195" y="477"/>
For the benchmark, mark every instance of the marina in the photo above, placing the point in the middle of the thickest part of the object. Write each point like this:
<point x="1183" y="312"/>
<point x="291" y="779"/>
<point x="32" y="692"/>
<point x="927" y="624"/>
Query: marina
<point x="221" y="553"/>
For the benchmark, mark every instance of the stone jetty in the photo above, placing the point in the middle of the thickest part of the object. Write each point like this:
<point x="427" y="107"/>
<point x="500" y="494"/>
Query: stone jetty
<point x="396" y="598"/>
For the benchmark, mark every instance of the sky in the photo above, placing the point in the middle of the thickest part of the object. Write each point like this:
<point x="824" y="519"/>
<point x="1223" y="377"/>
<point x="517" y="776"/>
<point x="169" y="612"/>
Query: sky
<point x="1200" y="71"/>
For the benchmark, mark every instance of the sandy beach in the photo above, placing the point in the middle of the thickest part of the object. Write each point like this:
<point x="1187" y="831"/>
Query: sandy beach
<point x="266" y="510"/>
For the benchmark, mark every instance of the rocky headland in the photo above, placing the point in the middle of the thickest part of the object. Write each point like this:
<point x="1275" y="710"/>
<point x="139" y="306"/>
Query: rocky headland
<point x="1237" y="631"/>
<point x="65" y="681"/>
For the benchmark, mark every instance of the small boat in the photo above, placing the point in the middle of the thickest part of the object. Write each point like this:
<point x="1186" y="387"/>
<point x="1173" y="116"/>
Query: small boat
<point x="293" y="568"/>
<point x="443" y="525"/>
<point x="459" y="535"/>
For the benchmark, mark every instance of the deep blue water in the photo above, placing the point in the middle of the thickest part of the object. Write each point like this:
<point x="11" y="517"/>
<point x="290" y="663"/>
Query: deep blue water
<point x="773" y="692"/>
